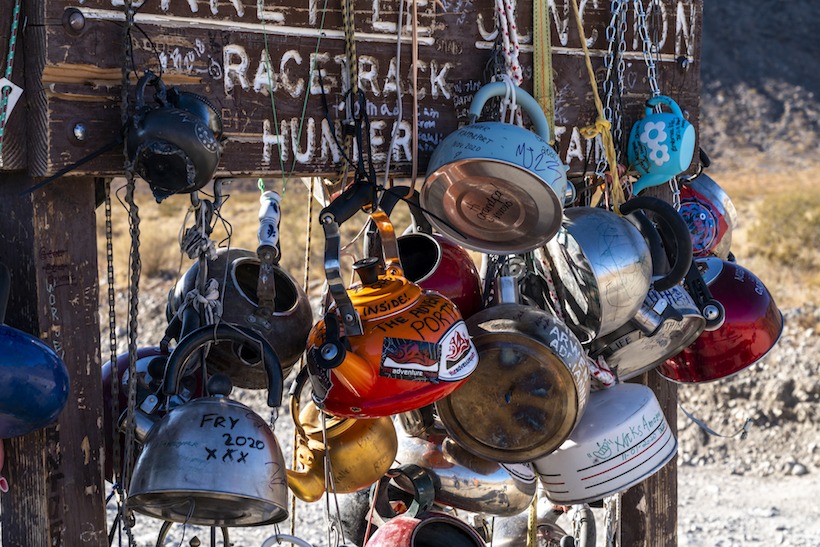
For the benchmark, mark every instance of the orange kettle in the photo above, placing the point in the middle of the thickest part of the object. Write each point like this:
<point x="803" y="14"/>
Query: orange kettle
<point x="386" y="345"/>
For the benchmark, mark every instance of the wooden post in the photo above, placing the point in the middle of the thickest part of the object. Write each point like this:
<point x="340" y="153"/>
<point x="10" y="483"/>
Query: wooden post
<point x="649" y="514"/>
<point x="55" y="475"/>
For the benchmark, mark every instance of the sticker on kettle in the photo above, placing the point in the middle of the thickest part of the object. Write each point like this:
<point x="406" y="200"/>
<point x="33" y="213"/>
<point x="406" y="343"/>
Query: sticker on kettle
<point x="458" y="354"/>
<point x="405" y="359"/>
<point x="451" y="359"/>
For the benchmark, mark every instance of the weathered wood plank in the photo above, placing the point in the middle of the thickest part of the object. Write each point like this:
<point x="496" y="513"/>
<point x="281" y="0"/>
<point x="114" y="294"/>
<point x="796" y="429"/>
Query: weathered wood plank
<point x="221" y="55"/>
<point x="55" y="474"/>
<point x="13" y="154"/>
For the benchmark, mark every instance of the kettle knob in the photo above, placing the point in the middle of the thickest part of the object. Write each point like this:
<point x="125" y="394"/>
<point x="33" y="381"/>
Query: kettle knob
<point x="220" y="384"/>
<point x="368" y="269"/>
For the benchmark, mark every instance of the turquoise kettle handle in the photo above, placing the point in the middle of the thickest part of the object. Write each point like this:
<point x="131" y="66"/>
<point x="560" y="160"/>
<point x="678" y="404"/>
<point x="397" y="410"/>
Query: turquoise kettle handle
<point x="524" y="99"/>
<point x="663" y="99"/>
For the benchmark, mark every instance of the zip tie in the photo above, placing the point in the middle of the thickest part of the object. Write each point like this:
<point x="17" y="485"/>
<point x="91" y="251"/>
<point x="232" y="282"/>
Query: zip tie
<point x="743" y="432"/>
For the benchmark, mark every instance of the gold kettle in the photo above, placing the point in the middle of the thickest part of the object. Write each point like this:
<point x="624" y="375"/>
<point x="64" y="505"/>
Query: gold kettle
<point x="360" y="450"/>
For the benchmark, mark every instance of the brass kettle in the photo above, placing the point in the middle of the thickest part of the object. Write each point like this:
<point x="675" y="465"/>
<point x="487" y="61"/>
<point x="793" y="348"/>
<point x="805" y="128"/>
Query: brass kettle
<point x="360" y="450"/>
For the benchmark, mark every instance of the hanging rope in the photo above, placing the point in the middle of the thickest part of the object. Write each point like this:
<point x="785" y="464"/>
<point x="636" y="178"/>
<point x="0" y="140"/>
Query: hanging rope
<point x="6" y="91"/>
<point x="602" y="126"/>
<point x="532" y="522"/>
<point x="414" y="169"/>
<point x="543" y="82"/>
<point x="509" y="38"/>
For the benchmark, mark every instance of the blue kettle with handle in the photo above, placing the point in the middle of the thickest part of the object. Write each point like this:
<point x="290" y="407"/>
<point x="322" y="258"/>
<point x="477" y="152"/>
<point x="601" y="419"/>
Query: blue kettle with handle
<point x="661" y="144"/>
<point x="495" y="187"/>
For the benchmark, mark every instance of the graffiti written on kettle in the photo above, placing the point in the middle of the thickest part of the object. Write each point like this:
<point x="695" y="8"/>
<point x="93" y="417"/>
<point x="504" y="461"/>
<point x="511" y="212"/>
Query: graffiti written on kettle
<point x="432" y="315"/>
<point x="533" y="160"/>
<point x="630" y="440"/>
<point x="495" y="205"/>
<point x="237" y="447"/>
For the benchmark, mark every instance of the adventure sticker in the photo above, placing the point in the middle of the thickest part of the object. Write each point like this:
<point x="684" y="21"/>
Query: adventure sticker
<point x="452" y="359"/>
<point x="405" y="359"/>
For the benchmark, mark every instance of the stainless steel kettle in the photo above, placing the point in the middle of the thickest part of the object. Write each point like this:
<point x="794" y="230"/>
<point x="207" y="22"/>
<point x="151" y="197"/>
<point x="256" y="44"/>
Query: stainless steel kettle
<point x="462" y="480"/>
<point x="213" y="461"/>
<point x="602" y="267"/>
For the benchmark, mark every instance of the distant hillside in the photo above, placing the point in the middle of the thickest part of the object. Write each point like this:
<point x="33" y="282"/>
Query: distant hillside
<point x="761" y="82"/>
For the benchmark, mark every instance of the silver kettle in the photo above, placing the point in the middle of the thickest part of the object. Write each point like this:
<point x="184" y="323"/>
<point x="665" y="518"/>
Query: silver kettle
<point x="462" y="480"/>
<point x="212" y="461"/>
<point x="601" y="264"/>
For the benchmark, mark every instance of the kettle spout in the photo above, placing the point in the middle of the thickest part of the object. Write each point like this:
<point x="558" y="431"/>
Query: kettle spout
<point x="307" y="485"/>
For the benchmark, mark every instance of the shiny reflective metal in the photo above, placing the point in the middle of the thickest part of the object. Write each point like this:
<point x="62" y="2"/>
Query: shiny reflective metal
<point x="463" y="480"/>
<point x="631" y="350"/>
<point x="212" y="461"/>
<point x="528" y="391"/>
<point x="602" y="263"/>
<point x="710" y="214"/>
<point x="752" y="326"/>
<point x="512" y="531"/>
<point x="496" y="187"/>
<point x="360" y="451"/>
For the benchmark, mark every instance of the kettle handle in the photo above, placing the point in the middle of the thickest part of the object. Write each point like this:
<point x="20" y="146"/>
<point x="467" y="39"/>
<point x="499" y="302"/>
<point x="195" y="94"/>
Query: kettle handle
<point x="679" y="230"/>
<point x="390" y="248"/>
<point x="525" y="100"/>
<point x="295" y="405"/>
<point x="424" y="491"/>
<point x="391" y="197"/>
<point x="663" y="99"/>
<point x="149" y="78"/>
<point x="198" y="338"/>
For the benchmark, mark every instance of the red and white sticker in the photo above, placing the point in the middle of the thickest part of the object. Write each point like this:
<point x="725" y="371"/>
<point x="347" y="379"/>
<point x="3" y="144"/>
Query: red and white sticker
<point x="451" y="359"/>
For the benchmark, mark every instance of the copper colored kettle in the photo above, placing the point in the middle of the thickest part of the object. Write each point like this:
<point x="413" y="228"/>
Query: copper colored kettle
<point x="360" y="450"/>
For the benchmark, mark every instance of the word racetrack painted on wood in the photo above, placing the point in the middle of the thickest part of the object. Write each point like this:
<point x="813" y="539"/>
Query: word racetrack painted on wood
<point x="280" y="74"/>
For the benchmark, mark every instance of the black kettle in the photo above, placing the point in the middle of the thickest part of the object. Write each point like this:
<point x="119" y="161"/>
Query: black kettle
<point x="175" y="144"/>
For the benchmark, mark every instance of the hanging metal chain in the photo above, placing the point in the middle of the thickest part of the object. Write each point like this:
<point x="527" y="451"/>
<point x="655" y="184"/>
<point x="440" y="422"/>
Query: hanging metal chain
<point x="614" y="65"/>
<point x="135" y="267"/>
<point x="650" y="48"/>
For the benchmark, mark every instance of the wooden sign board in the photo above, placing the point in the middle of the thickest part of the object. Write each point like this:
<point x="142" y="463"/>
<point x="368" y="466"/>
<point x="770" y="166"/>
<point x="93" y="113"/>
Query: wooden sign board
<point x="219" y="50"/>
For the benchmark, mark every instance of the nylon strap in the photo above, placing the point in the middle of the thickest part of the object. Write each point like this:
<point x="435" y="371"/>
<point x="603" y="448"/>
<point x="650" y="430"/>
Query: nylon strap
<point x="602" y="126"/>
<point x="543" y="83"/>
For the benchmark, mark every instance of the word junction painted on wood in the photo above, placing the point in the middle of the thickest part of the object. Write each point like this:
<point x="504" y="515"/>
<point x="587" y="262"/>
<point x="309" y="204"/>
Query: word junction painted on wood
<point x="265" y="66"/>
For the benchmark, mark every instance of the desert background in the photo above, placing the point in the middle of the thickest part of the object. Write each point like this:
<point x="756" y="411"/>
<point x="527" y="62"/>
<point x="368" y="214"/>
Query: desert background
<point x="760" y="124"/>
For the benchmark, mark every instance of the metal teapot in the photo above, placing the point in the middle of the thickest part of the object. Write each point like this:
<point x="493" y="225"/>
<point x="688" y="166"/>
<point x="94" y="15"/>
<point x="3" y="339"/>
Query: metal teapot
<point x="462" y="480"/>
<point x="174" y="149"/>
<point x="286" y="328"/>
<point x="602" y="267"/>
<point x="496" y="187"/>
<point x="360" y="450"/>
<point x="212" y="461"/>
<point x="418" y="526"/>
<point x="387" y="345"/>
<point x="34" y="383"/>
<point x="530" y="387"/>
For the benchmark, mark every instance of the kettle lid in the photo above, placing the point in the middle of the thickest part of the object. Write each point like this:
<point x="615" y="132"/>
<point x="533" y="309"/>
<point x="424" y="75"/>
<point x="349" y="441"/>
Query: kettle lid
<point x="381" y="295"/>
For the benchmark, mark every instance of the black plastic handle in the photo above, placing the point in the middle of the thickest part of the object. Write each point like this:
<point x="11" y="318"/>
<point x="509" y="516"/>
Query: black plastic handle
<point x="154" y="80"/>
<point x="197" y="339"/>
<point x="679" y="232"/>
<point x="392" y="196"/>
<point x="424" y="491"/>
<point x="346" y="204"/>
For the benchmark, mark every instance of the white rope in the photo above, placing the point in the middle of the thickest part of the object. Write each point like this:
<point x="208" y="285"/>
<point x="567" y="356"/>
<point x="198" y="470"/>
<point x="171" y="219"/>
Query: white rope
<point x="209" y="302"/>
<point x="600" y="373"/>
<point x="509" y="37"/>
